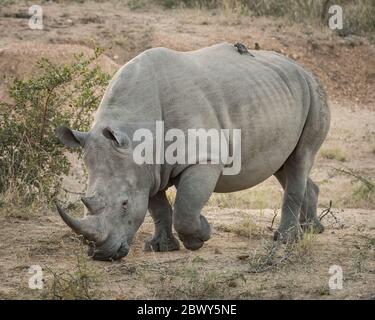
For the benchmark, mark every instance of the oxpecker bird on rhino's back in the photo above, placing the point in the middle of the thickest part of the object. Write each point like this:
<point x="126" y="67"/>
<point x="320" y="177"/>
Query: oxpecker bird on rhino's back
<point x="278" y="106"/>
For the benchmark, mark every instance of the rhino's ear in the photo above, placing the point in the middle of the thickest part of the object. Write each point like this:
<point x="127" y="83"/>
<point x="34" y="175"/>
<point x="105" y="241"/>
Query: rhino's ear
<point x="118" y="136"/>
<point x="71" y="138"/>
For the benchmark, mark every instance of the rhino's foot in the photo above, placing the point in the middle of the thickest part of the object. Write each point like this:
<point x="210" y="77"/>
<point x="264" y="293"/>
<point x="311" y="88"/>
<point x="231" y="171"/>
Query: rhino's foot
<point x="196" y="240"/>
<point x="288" y="234"/>
<point x="313" y="226"/>
<point x="161" y="243"/>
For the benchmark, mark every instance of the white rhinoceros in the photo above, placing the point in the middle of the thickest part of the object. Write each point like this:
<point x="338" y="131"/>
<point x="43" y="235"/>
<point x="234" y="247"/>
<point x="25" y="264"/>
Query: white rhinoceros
<point x="279" y="107"/>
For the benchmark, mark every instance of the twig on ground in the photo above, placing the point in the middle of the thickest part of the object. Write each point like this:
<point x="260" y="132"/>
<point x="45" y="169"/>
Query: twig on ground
<point x="273" y="219"/>
<point x="350" y="172"/>
<point x="329" y="211"/>
<point x="326" y="211"/>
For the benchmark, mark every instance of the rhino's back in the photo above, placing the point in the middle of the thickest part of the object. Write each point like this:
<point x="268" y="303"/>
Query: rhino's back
<point x="218" y="82"/>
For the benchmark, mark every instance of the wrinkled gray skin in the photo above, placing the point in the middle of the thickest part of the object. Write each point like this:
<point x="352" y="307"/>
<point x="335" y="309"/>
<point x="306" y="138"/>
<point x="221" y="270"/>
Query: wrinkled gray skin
<point x="279" y="106"/>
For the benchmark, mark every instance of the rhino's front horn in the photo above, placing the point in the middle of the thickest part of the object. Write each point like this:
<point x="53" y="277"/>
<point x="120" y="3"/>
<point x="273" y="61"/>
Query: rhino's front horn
<point x="93" y="204"/>
<point x="89" y="227"/>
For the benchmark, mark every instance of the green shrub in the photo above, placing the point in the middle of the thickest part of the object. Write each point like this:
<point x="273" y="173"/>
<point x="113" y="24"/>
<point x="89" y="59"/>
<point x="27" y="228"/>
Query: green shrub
<point x="32" y="161"/>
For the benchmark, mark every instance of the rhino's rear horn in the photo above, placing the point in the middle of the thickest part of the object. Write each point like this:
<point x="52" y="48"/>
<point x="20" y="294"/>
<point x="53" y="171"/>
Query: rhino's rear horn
<point x="93" y="204"/>
<point x="90" y="227"/>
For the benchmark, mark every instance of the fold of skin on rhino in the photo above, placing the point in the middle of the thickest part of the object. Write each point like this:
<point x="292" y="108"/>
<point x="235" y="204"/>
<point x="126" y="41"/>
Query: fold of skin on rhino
<point x="266" y="96"/>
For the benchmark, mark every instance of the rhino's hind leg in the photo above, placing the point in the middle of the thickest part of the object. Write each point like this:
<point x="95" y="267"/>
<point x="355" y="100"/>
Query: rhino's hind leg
<point x="298" y="188"/>
<point x="161" y="212"/>
<point x="293" y="177"/>
<point x="194" y="188"/>
<point x="309" y="218"/>
<point x="297" y="195"/>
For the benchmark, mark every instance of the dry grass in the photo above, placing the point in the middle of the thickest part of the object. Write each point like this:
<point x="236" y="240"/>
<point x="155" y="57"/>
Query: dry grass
<point x="246" y="227"/>
<point x="256" y="198"/>
<point x="12" y="205"/>
<point x="194" y="281"/>
<point x="362" y="196"/>
<point x="79" y="283"/>
<point x="359" y="15"/>
<point x="361" y="256"/>
<point x="360" y="192"/>
<point x="274" y="255"/>
<point x="333" y="154"/>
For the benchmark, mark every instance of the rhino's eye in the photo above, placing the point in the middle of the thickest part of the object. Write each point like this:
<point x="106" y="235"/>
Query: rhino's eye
<point x="124" y="205"/>
<point x="123" y="151"/>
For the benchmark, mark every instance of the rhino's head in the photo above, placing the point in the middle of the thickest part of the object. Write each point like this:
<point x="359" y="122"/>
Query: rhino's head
<point x="118" y="191"/>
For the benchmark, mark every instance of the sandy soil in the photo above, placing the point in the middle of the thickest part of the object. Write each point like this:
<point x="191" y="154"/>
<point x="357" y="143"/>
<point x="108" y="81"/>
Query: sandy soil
<point x="225" y="267"/>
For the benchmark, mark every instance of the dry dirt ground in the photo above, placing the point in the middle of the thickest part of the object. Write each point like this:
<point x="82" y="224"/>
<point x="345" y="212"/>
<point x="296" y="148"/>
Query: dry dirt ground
<point x="239" y="261"/>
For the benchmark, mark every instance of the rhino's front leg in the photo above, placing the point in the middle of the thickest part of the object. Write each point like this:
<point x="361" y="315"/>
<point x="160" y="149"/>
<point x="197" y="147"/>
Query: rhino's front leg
<point x="194" y="188"/>
<point x="161" y="212"/>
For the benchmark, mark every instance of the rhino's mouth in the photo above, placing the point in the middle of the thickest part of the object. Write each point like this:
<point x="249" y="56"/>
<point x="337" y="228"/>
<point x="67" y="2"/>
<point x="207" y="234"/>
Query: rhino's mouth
<point x="102" y="253"/>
